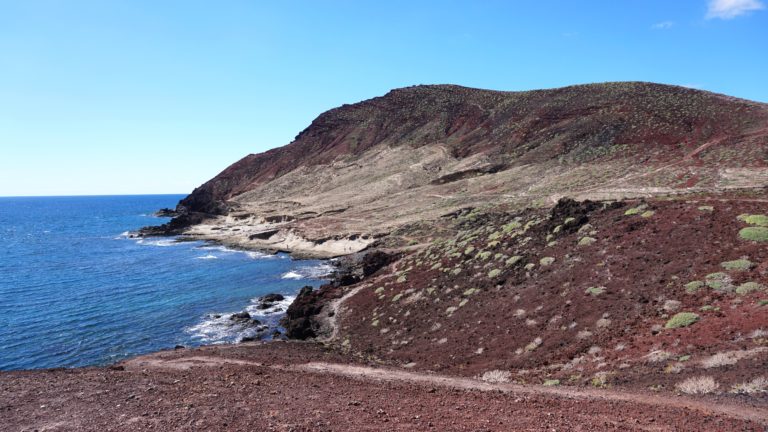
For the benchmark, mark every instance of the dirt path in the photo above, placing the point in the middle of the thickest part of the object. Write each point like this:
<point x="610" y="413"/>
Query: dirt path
<point x="366" y="373"/>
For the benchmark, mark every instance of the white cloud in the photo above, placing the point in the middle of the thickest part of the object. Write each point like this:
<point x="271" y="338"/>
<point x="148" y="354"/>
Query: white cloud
<point x="728" y="9"/>
<point x="663" y="25"/>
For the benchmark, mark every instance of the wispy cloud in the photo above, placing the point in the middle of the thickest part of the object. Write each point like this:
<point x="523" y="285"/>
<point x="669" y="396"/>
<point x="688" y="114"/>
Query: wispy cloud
<point x="663" y="25"/>
<point x="729" y="9"/>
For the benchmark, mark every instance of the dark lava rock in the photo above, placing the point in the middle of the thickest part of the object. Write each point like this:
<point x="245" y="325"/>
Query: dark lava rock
<point x="269" y="301"/>
<point x="240" y="316"/>
<point x="375" y="260"/>
<point x="271" y="298"/>
<point x="166" y="212"/>
<point x="299" y="320"/>
<point x="244" y="318"/>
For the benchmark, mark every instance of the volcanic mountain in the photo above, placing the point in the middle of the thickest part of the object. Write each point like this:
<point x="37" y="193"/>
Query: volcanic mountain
<point x="360" y="171"/>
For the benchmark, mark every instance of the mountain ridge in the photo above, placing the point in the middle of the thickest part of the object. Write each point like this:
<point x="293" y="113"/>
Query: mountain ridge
<point x="672" y="137"/>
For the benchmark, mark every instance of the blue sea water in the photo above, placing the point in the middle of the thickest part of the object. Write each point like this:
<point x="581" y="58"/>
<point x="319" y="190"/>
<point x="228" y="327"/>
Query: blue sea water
<point x="76" y="291"/>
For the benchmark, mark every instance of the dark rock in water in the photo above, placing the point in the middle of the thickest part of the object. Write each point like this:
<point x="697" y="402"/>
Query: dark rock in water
<point x="166" y="212"/>
<point x="178" y="347"/>
<point x="240" y="316"/>
<point x="269" y="301"/>
<point x="216" y="316"/>
<point x="276" y="334"/>
<point x="181" y="221"/>
<point x="244" y="318"/>
<point x="271" y="298"/>
<point x="249" y="339"/>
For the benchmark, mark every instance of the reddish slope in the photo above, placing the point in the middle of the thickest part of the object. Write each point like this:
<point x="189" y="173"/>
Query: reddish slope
<point x="651" y="123"/>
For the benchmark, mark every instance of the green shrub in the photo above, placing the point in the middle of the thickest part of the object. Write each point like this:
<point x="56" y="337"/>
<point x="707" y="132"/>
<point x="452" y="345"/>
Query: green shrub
<point x="469" y="250"/>
<point x="586" y="241"/>
<point x="636" y="210"/>
<point x="748" y="287"/>
<point x="436" y="266"/>
<point x="595" y="291"/>
<point x="718" y="281"/>
<point x="484" y="255"/>
<point x="739" y="264"/>
<point x="552" y="382"/>
<point x="693" y="286"/>
<point x="707" y="208"/>
<point x="514" y="260"/>
<point x="530" y="266"/>
<point x="469" y="292"/>
<point x="762" y="302"/>
<point x="494" y="236"/>
<point x="547" y="261"/>
<point x="493" y="273"/>
<point x="682" y="319"/>
<point x="402" y="279"/>
<point x="759" y="234"/>
<point x="511" y="226"/>
<point x="648" y="214"/>
<point x="758" y="220"/>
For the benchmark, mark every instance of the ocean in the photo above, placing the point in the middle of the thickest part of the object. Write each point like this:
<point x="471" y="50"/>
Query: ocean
<point x="75" y="290"/>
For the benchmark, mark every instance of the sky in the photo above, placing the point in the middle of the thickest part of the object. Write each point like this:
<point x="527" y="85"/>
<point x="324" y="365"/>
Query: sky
<point x="137" y="97"/>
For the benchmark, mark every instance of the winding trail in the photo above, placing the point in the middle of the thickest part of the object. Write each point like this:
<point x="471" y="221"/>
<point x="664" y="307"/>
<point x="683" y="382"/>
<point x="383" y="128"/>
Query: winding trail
<point x="366" y="373"/>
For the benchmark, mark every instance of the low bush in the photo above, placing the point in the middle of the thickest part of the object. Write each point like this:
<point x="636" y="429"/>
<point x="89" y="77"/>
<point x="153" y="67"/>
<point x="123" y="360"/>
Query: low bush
<point x="547" y="261"/>
<point x="739" y="264"/>
<point x="749" y="287"/>
<point x="757" y="220"/>
<point x="757" y="385"/>
<point x="759" y="234"/>
<point x="693" y="286"/>
<point x="682" y="319"/>
<point x="496" y="376"/>
<point x="595" y="291"/>
<point x="698" y="385"/>
<point x="718" y="281"/>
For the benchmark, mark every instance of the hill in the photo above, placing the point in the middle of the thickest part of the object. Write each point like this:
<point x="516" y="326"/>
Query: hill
<point x="360" y="171"/>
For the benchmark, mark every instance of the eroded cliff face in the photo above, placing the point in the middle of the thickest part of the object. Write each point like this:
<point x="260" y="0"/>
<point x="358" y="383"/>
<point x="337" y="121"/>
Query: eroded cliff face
<point x="359" y="172"/>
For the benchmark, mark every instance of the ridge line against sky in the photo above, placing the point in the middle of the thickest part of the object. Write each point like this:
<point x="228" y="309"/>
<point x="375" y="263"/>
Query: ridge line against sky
<point x="135" y="97"/>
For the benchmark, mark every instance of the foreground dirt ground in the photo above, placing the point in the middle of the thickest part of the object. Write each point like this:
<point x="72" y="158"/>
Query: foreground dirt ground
<point x="291" y="386"/>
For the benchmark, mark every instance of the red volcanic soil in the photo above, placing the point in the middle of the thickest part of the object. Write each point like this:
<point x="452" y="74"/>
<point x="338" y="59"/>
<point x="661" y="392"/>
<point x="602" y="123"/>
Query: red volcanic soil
<point x="489" y="298"/>
<point x="300" y="387"/>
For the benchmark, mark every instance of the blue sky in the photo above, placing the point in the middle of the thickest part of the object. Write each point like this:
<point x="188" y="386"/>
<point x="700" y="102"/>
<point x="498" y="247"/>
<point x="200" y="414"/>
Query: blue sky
<point x="117" y="97"/>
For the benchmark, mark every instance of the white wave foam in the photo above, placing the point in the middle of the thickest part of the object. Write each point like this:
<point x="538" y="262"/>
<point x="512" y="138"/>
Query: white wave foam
<point x="292" y="275"/>
<point x="162" y="243"/>
<point x="277" y="307"/>
<point x="207" y="257"/>
<point x="219" y="329"/>
<point x="318" y="271"/>
<point x="261" y="255"/>
<point x="123" y="235"/>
